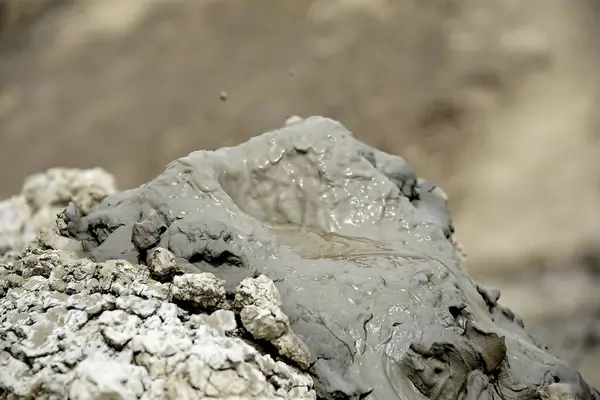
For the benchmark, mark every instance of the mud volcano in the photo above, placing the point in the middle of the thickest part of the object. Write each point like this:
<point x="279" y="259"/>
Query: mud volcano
<point x="361" y="252"/>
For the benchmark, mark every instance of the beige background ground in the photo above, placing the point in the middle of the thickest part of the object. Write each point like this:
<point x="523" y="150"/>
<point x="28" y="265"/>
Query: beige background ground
<point x="494" y="100"/>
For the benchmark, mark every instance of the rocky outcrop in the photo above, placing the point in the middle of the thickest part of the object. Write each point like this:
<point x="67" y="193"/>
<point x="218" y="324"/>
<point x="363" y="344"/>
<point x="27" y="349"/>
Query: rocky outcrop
<point x="72" y="328"/>
<point x="301" y="263"/>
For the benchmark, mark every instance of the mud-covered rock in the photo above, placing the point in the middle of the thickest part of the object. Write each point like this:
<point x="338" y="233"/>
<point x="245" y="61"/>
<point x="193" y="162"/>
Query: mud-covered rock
<point x="361" y="254"/>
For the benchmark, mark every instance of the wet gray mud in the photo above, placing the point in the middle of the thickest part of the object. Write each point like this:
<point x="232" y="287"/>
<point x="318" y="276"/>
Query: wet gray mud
<point x="361" y="252"/>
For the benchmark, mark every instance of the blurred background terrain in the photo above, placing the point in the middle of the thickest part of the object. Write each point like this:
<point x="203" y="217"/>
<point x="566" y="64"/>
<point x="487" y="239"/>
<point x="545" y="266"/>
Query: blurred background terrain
<point x="494" y="100"/>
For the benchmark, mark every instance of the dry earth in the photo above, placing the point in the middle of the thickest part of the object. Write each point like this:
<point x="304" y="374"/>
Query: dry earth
<point x="494" y="100"/>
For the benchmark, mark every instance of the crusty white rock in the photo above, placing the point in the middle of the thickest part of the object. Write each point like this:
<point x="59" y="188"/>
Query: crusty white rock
<point x="73" y="328"/>
<point x="259" y="303"/>
<point x="43" y="196"/>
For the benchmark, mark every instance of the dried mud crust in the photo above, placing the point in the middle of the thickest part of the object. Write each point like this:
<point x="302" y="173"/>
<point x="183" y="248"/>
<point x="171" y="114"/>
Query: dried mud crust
<point x="72" y="328"/>
<point x="373" y="295"/>
<point x="43" y="196"/>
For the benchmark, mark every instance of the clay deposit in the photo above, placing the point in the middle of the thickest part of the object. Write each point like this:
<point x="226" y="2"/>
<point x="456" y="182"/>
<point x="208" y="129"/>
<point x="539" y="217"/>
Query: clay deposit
<point x="299" y="264"/>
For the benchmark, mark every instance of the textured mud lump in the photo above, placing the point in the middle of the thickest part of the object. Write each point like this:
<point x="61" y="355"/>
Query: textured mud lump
<point x="360" y="251"/>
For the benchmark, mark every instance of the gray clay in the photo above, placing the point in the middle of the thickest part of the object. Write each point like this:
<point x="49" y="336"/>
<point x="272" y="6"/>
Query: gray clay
<point x="361" y="253"/>
<point x="301" y="263"/>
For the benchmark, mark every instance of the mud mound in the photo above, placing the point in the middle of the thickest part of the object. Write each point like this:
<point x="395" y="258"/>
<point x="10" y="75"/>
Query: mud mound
<point x="319" y="251"/>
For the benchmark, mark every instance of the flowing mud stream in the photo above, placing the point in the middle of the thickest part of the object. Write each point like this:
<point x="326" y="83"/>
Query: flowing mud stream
<point x="311" y="243"/>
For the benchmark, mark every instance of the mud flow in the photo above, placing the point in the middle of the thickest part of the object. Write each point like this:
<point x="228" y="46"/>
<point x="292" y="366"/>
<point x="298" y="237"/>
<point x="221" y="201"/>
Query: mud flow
<point x="310" y="243"/>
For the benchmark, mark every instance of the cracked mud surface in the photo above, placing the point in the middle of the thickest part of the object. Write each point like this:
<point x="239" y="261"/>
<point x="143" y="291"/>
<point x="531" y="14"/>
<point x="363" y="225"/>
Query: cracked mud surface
<point x="73" y="328"/>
